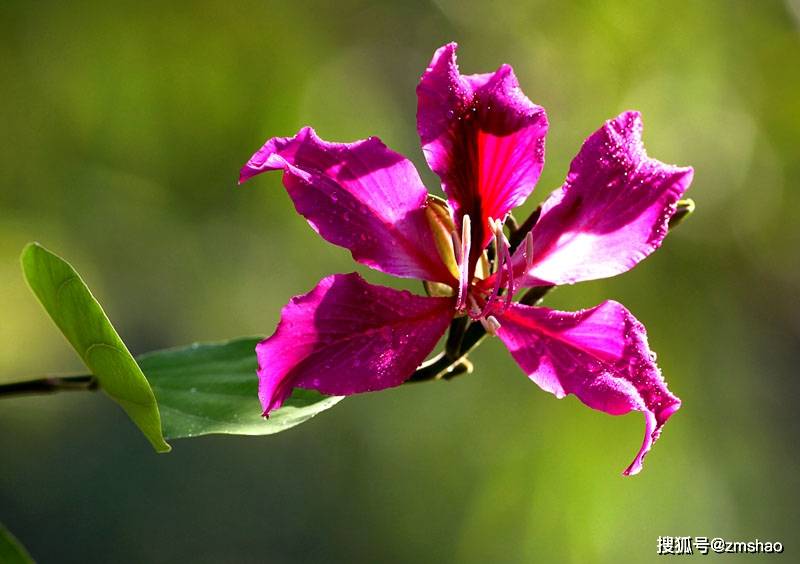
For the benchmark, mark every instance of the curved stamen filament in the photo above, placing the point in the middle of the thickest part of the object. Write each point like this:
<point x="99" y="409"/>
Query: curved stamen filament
<point x="528" y="251"/>
<point x="509" y="264"/>
<point x="489" y="322"/>
<point x="503" y="272"/>
<point x="499" y="263"/>
<point x="474" y="311"/>
<point x="463" y="260"/>
<point x="456" y="245"/>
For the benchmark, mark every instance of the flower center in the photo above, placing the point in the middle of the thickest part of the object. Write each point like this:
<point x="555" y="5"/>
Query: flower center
<point x="483" y="308"/>
<point x="454" y="248"/>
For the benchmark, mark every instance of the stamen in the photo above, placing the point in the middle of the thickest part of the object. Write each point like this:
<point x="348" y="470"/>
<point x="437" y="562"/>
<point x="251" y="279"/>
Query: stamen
<point x="492" y="229"/>
<point x="491" y="324"/>
<point x="510" y="272"/>
<point x="466" y="236"/>
<point x="503" y="249"/>
<point x="500" y="261"/>
<point x="463" y="262"/>
<point x="474" y="311"/>
<point x="456" y="245"/>
<point x="528" y="251"/>
<point x="499" y="230"/>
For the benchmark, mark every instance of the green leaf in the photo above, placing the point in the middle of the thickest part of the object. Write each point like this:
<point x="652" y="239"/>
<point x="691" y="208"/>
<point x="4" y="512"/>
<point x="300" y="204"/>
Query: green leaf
<point x="213" y="388"/>
<point x="70" y="304"/>
<point x="196" y="390"/>
<point x="11" y="550"/>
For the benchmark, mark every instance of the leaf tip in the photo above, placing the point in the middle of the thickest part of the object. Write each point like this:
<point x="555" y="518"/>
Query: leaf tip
<point x="28" y="250"/>
<point x="163" y="447"/>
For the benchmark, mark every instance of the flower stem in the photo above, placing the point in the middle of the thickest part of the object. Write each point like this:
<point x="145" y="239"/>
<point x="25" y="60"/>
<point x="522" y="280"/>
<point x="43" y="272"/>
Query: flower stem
<point x="455" y="337"/>
<point x="50" y="385"/>
<point x="534" y="295"/>
<point x="446" y="366"/>
<point x="517" y="235"/>
<point x="511" y="223"/>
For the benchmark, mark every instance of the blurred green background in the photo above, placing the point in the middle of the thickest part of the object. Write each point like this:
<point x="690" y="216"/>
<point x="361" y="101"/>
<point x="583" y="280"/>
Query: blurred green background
<point x="124" y="126"/>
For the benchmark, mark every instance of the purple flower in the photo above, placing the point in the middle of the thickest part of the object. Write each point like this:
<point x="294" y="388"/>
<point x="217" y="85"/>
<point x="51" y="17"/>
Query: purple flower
<point x="485" y="140"/>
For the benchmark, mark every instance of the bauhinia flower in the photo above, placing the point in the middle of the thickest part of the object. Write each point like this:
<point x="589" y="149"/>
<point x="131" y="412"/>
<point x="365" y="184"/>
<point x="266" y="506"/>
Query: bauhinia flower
<point x="485" y="140"/>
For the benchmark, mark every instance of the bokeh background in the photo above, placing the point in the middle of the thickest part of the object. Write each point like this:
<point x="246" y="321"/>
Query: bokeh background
<point x="124" y="125"/>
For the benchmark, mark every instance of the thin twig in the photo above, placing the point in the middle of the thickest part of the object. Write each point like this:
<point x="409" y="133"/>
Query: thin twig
<point x="50" y="385"/>
<point x="534" y="295"/>
<point x="442" y="367"/>
<point x="455" y="337"/>
<point x="518" y="235"/>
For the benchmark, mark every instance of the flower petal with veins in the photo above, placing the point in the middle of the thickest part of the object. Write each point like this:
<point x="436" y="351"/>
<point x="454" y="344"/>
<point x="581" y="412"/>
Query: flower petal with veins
<point x="361" y="196"/>
<point x="346" y="337"/>
<point x="482" y="136"/>
<point x="611" y="213"/>
<point x="600" y="354"/>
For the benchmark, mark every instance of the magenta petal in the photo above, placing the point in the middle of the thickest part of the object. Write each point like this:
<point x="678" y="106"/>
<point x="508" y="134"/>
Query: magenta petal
<point x="361" y="196"/>
<point x="600" y="354"/>
<point x="483" y="138"/>
<point x="346" y="337"/>
<point x="611" y="212"/>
